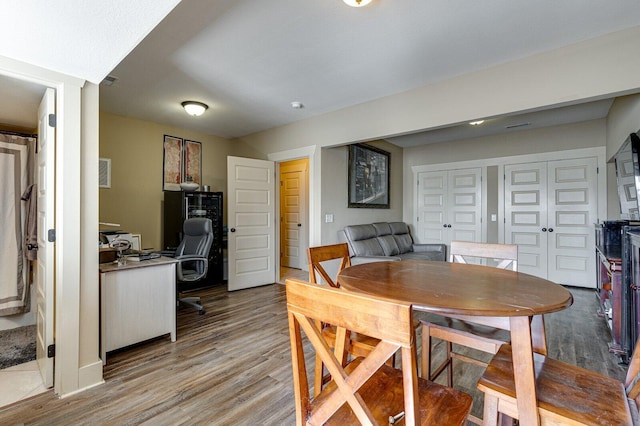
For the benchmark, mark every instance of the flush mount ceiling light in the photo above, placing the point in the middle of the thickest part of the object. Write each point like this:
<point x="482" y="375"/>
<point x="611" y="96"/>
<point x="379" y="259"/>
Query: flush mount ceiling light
<point x="357" y="3"/>
<point x="477" y="123"/>
<point x="194" y="108"/>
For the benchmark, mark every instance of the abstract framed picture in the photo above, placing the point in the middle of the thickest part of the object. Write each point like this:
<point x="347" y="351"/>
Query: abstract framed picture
<point x="193" y="161"/>
<point x="368" y="177"/>
<point x="172" y="163"/>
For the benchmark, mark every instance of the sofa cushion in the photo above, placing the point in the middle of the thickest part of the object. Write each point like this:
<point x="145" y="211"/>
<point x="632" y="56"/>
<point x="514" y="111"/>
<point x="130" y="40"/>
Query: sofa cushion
<point x="363" y="240"/>
<point x="382" y="228"/>
<point x="400" y="232"/>
<point x="389" y="245"/>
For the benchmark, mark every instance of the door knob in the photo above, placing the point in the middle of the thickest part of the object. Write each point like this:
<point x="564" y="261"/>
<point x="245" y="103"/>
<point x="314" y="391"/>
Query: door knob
<point x="232" y="229"/>
<point x="544" y="229"/>
<point x="550" y="229"/>
<point x="449" y="226"/>
<point x="299" y="225"/>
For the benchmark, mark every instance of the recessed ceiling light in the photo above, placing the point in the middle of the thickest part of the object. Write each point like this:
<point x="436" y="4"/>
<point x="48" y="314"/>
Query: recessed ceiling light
<point x="476" y="123"/>
<point x="297" y="105"/>
<point x="194" y="108"/>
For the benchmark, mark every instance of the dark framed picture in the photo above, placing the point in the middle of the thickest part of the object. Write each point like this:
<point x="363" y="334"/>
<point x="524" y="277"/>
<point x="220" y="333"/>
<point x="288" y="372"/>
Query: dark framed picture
<point x="368" y="177"/>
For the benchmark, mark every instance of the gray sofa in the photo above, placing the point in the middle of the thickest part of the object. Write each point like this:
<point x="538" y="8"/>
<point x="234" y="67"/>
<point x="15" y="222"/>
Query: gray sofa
<point x="387" y="241"/>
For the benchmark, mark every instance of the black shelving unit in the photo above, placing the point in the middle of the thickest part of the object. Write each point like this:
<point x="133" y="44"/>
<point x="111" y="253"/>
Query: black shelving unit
<point x="179" y="206"/>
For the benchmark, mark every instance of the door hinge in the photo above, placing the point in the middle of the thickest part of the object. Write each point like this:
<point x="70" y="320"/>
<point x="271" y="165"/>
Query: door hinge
<point x="52" y="120"/>
<point x="51" y="351"/>
<point x="51" y="235"/>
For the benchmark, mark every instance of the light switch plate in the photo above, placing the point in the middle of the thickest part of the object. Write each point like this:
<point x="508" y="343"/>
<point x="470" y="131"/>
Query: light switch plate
<point x="328" y="218"/>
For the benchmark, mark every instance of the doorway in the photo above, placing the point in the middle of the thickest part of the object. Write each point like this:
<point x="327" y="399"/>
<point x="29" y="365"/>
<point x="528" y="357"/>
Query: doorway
<point x="20" y="376"/>
<point x="294" y="218"/>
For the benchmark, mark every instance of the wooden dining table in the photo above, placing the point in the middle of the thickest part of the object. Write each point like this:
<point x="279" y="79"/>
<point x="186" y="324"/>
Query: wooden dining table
<point x="482" y="294"/>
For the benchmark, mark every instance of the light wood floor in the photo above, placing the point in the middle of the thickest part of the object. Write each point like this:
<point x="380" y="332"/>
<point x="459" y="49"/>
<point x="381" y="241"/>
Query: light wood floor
<point x="232" y="367"/>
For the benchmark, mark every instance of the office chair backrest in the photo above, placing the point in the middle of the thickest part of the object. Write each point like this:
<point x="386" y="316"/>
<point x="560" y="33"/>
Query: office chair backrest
<point x="197" y="237"/>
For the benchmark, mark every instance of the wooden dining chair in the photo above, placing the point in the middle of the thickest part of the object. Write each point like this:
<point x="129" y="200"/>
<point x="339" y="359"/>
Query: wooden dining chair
<point x="460" y="331"/>
<point x="357" y="344"/>
<point x="566" y="394"/>
<point x="366" y="390"/>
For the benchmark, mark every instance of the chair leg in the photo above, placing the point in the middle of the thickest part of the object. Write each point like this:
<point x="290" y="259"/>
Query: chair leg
<point x="318" y="377"/>
<point x="425" y="364"/>
<point x="449" y="365"/>
<point x="194" y="302"/>
<point x="490" y="412"/>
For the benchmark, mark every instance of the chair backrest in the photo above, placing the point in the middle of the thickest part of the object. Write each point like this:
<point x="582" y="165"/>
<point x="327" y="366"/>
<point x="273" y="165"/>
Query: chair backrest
<point x="317" y="255"/>
<point x="507" y="254"/>
<point x="197" y="238"/>
<point x="387" y="320"/>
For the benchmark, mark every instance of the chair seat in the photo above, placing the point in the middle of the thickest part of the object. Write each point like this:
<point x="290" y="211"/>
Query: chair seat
<point x="564" y="391"/>
<point x="438" y="404"/>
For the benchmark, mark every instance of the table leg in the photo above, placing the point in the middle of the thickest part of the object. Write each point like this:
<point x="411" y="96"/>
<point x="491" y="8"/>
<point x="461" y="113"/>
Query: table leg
<point x="523" y="371"/>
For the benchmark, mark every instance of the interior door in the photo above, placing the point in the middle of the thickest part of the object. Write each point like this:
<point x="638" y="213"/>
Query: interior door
<point x="251" y="222"/>
<point x="526" y="215"/>
<point x="44" y="275"/>
<point x="464" y="205"/>
<point x="432" y="208"/>
<point x="449" y="206"/>
<point x="293" y="214"/>
<point x="573" y="204"/>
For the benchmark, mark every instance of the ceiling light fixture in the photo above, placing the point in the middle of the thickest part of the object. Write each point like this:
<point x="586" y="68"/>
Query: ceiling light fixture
<point x="357" y="3"/>
<point x="297" y="105"/>
<point x="476" y="123"/>
<point x="194" y="108"/>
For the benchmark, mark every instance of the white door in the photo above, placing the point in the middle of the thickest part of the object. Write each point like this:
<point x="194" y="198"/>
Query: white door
<point x="432" y="208"/>
<point x="526" y="215"/>
<point x="573" y="209"/>
<point x="550" y="209"/>
<point x="464" y="206"/>
<point x="251" y="222"/>
<point x="44" y="275"/>
<point x="293" y="214"/>
<point x="449" y="206"/>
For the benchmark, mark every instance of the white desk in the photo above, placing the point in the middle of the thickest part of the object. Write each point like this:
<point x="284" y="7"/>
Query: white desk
<point x="137" y="302"/>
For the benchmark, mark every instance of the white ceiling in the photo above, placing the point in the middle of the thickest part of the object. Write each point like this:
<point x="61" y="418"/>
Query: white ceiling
<point x="249" y="60"/>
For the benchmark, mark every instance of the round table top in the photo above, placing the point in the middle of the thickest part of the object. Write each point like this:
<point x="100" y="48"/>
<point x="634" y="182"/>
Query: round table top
<point x="457" y="288"/>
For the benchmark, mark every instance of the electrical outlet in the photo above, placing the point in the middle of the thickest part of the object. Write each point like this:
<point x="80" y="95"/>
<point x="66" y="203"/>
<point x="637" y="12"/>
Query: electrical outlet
<point x="328" y="218"/>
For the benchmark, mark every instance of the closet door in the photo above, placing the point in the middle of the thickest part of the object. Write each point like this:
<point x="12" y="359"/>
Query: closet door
<point x="449" y="206"/>
<point x="550" y="209"/>
<point x="526" y="215"/>
<point x="572" y="212"/>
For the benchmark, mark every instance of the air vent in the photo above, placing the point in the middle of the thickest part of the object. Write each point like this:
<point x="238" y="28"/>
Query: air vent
<point x="515" y="126"/>
<point x="104" y="173"/>
<point x="109" y="80"/>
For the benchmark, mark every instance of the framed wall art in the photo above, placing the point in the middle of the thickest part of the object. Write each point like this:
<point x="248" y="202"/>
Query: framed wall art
<point x="368" y="177"/>
<point x="193" y="161"/>
<point x="172" y="163"/>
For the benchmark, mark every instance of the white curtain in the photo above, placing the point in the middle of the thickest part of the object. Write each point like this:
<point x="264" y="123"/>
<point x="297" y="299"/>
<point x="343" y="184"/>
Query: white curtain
<point x="15" y="172"/>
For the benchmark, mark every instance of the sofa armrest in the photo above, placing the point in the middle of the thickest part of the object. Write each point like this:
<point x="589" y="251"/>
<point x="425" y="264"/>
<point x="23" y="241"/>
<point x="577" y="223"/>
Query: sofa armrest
<point x="418" y="248"/>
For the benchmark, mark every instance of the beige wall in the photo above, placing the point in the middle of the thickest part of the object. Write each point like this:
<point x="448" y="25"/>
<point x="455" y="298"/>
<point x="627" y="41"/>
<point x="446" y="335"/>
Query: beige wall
<point x="135" y="149"/>
<point x="334" y="191"/>
<point x="586" y="134"/>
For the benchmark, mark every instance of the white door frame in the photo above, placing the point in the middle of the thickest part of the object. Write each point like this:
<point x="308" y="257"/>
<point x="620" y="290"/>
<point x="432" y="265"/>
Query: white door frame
<point x="313" y="195"/>
<point x="73" y="372"/>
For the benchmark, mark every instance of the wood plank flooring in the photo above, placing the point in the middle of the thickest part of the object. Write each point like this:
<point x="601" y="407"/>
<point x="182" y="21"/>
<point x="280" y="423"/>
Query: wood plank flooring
<point x="232" y="366"/>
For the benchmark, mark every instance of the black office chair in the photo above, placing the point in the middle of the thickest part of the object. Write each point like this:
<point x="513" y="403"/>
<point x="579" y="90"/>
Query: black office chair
<point x="193" y="255"/>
